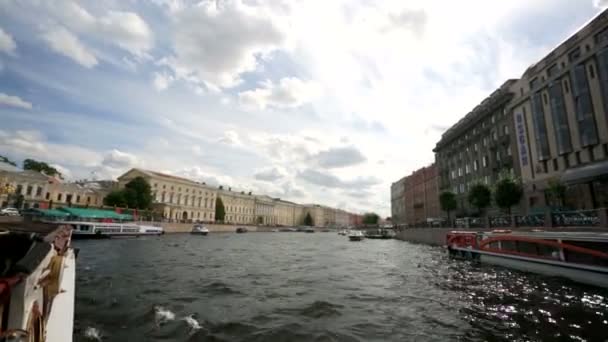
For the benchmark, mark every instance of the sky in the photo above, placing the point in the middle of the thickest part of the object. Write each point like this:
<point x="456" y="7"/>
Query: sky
<point x="316" y="101"/>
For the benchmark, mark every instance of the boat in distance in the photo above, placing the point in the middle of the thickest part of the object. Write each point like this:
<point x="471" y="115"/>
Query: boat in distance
<point x="37" y="286"/>
<point x="356" y="235"/>
<point x="199" y="230"/>
<point x="241" y="230"/>
<point x="105" y="230"/>
<point x="578" y="256"/>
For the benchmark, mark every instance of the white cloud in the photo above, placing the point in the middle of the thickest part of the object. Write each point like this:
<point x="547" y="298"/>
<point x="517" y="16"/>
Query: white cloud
<point x="326" y="179"/>
<point x="600" y="3"/>
<point x="120" y="160"/>
<point x="196" y="173"/>
<point x="230" y="138"/>
<point x="67" y="44"/>
<point x="7" y="43"/>
<point x="125" y="29"/>
<point x="14" y="101"/>
<point x="215" y="42"/>
<point x="290" y="92"/>
<point x="339" y="157"/>
<point x="270" y="174"/>
<point x="162" y="81"/>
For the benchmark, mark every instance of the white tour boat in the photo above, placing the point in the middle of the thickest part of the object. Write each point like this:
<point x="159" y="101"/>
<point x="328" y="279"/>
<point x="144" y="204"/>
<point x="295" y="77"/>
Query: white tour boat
<point x="579" y="256"/>
<point x="356" y="235"/>
<point x="37" y="286"/>
<point x="104" y="230"/>
<point x="199" y="230"/>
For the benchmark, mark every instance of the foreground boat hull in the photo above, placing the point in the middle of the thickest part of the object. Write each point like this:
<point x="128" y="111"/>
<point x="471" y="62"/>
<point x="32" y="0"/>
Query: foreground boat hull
<point x="110" y="236"/>
<point x="595" y="276"/>
<point x="199" y="233"/>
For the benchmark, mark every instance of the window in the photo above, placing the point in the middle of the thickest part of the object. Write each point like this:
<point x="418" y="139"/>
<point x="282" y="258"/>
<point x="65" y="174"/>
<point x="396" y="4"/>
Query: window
<point x="505" y="130"/>
<point x="584" y="107"/>
<point x="587" y="48"/>
<point x="19" y="189"/>
<point x="545" y="168"/>
<point x="497" y="155"/>
<point x="566" y="161"/>
<point x="574" y="55"/>
<point x="527" y="247"/>
<point x="88" y="199"/>
<point x="485" y="141"/>
<point x="467" y="169"/>
<point x="68" y="198"/>
<point x="453" y="174"/>
<point x="155" y="185"/>
<point x="459" y="172"/>
<point x="475" y="147"/>
<point x="534" y="83"/>
<point x="28" y="190"/>
<point x="475" y="165"/>
<point x="508" y="246"/>
<point x="560" y="119"/>
<point x="492" y="119"/>
<point x="591" y="71"/>
<point x="484" y="161"/>
<point x="39" y="191"/>
<point x="540" y="128"/>
<point x="59" y="197"/>
<point x="602" y="36"/>
<point x="48" y="196"/>
<point x="555" y="165"/>
<point x="462" y="188"/>
<point x="509" y="153"/>
<point x="494" y="135"/>
<point x="552" y="71"/>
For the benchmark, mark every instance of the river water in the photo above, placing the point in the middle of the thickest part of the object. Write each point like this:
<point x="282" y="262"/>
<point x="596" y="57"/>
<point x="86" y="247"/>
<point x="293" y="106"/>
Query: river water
<point x="317" y="287"/>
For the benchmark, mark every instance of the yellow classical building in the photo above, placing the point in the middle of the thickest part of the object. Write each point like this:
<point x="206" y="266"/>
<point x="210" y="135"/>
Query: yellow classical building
<point x="177" y="198"/>
<point x="238" y="206"/>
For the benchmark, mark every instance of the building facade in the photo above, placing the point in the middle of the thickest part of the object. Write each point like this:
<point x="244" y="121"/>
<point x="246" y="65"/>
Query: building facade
<point x="420" y="197"/>
<point x="177" y="198"/>
<point x="479" y="149"/>
<point x="239" y="207"/>
<point x="264" y="210"/>
<point x="560" y="110"/>
<point x="398" y="214"/>
<point x="42" y="191"/>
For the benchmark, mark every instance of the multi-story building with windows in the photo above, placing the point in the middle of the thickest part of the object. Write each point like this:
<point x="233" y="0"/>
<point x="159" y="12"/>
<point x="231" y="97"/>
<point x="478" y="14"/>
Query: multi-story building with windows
<point x="479" y="148"/>
<point x="398" y="212"/>
<point x="560" y="111"/>
<point x="264" y="210"/>
<point x="176" y="197"/>
<point x="239" y="207"/>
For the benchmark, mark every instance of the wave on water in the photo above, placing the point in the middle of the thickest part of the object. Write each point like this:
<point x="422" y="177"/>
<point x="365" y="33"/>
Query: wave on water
<point x="193" y="323"/>
<point x="320" y="309"/>
<point x="92" y="334"/>
<point x="162" y="315"/>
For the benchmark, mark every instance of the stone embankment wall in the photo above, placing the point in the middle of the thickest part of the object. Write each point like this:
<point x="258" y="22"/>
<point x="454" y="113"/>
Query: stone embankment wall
<point x="436" y="236"/>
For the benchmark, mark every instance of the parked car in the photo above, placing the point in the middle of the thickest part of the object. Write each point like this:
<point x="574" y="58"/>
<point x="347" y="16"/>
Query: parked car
<point x="9" y="212"/>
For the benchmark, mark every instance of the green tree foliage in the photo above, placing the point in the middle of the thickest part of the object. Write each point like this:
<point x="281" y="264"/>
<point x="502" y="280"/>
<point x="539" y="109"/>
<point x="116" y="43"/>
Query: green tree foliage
<point x="137" y="194"/>
<point x="8" y="161"/>
<point x="371" y="218"/>
<point x="308" y="221"/>
<point x="220" y="211"/>
<point x="480" y="196"/>
<point x="447" y="201"/>
<point x="508" y="193"/>
<point x="31" y="164"/>
<point x="556" y="191"/>
<point x="115" y="199"/>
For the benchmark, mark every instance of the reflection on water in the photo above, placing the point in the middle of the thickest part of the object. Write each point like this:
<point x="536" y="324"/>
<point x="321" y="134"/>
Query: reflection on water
<point x="317" y="287"/>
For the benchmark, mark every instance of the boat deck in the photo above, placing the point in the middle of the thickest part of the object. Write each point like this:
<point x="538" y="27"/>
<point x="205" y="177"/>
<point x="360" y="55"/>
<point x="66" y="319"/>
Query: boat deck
<point x="587" y="236"/>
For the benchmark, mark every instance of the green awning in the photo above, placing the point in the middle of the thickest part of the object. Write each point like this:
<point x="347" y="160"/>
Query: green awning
<point x="48" y="212"/>
<point x="88" y="213"/>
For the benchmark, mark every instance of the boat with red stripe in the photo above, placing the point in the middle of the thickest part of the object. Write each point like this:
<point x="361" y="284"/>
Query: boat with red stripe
<point x="579" y="256"/>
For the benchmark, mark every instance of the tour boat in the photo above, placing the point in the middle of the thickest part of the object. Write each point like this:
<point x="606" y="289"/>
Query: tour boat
<point x="383" y="234"/>
<point x="104" y="230"/>
<point x="37" y="286"/>
<point x="579" y="256"/>
<point x="199" y="230"/>
<point x="355" y="235"/>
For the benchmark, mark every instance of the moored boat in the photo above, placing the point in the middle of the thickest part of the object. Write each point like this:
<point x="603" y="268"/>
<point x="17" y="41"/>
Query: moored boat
<point x="105" y="230"/>
<point x="355" y="235"/>
<point x="241" y="230"/>
<point x="37" y="286"/>
<point x="309" y="230"/>
<point x="579" y="256"/>
<point x="199" y="230"/>
<point x="383" y="234"/>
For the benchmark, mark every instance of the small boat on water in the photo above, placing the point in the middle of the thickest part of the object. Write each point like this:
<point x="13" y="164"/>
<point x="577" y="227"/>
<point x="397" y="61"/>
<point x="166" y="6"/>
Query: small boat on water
<point x="37" y="286"/>
<point x="241" y="230"/>
<point x="309" y="230"/>
<point x="383" y="234"/>
<point x="105" y="230"/>
<point x="199" y="230"/>
<point x="342" y="232"/>
<point x="356" y="235"/>
<point x="579" y="256"/>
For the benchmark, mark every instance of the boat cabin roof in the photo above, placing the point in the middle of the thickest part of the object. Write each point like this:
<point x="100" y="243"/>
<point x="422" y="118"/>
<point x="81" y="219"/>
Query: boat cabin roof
<point x="579" y="236"/>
